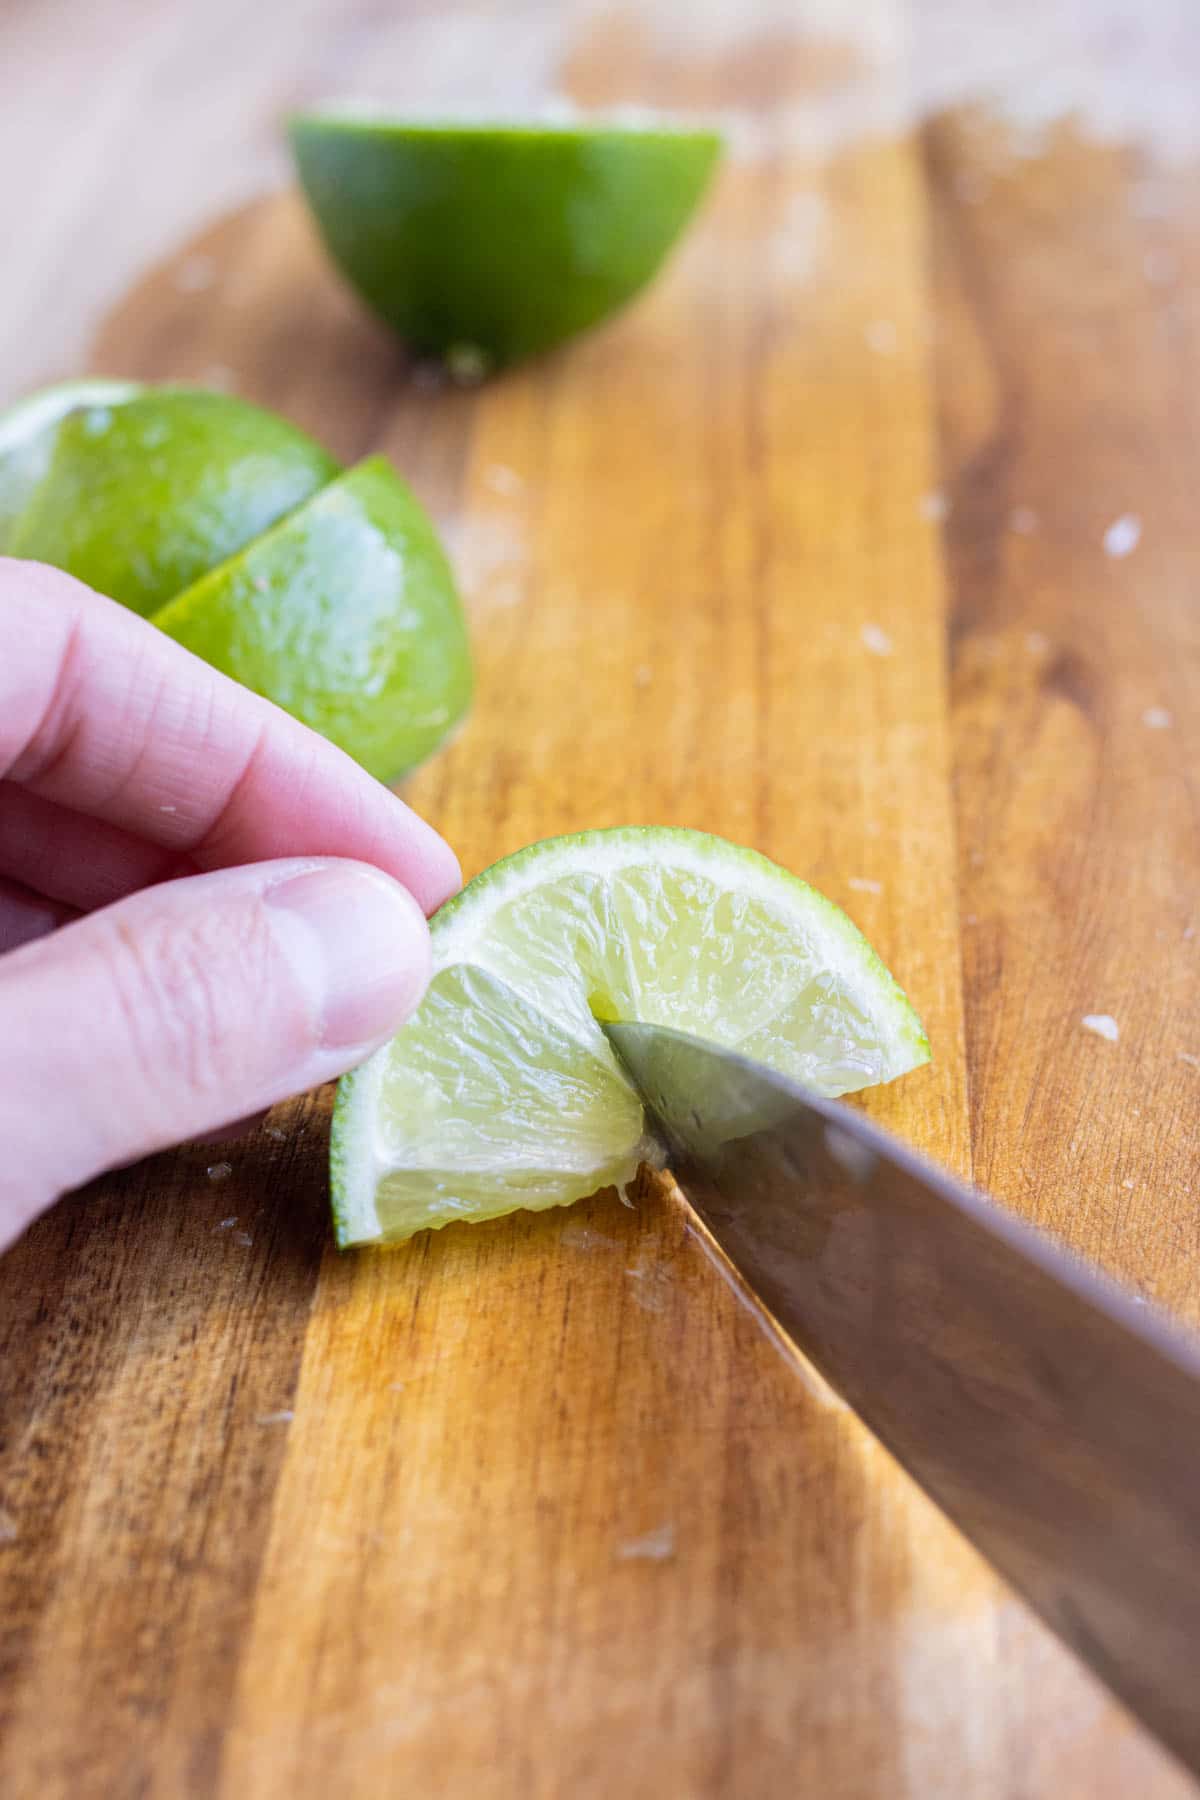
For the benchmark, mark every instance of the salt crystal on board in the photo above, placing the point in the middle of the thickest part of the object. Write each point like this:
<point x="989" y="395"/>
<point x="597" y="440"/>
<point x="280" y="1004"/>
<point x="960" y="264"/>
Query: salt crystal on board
<point x="503" y="480"/>
<point x="1123" y="535"/>
<point x="1103" y="1024"/>
<point x="654" y="1546"/>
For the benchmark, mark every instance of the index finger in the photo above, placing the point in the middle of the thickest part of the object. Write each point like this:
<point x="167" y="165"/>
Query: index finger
<point x="102" y="713"/>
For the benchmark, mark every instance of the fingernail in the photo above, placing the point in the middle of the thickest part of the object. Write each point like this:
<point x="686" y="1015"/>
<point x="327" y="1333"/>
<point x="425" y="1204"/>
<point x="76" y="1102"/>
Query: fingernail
<point x="362" y="948"/>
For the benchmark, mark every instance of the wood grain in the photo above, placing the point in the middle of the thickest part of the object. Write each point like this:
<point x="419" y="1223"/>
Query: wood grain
<point x="554" y="1513"/>
<point x="1075" y="716"/>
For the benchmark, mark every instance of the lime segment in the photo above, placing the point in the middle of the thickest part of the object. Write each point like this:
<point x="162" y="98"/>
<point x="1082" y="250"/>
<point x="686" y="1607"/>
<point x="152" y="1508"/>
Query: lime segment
<point x="502" y="1090"/>
<point x="345" y="613"/>
<point x="497" y="241"/>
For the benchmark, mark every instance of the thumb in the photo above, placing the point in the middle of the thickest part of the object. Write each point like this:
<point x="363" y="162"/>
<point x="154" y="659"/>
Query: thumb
<point x="191" y="1004"/>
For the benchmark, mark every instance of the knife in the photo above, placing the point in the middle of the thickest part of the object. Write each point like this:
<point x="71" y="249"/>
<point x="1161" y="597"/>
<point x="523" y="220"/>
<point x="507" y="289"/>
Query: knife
<point x="1051" y="1414"/>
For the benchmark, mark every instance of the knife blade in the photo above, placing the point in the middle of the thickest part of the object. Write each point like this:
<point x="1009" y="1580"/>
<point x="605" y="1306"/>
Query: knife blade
<point x="1051" y="1414"/>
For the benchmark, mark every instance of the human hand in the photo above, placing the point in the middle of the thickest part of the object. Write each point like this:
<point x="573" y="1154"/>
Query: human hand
<point x="204" y="907"/>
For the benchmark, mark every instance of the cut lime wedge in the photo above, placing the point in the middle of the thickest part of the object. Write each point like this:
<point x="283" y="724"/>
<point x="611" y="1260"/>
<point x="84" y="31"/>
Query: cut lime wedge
<point x="346" y="614"/>
<point x="485" y="243"/>
<point x="502" y="1092"/>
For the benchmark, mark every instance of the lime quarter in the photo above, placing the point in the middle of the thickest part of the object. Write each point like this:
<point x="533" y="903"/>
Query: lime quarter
<point x="502" y="1091"/>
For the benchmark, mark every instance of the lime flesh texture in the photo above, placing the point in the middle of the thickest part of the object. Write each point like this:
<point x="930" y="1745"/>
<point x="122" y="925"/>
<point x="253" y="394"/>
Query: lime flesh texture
<point x="494" y="240"/>
<point x="502" y="1091"/>
<point x="346" y="614"/>
<point x="140" y="496"/>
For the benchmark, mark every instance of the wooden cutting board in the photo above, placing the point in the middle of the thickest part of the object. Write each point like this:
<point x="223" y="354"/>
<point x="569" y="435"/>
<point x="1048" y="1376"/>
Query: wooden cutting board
<point x="809" y="549"/>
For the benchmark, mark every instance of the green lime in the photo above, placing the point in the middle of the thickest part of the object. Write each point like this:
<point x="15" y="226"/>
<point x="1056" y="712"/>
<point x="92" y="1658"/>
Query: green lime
<point x="346" y="614"/>
<point x="240" y="536"/>
<point x="139" y="494"/>
<point x="492" y="242"/>
<point x="27" y="433"/>
<point x="502" y="1092"/>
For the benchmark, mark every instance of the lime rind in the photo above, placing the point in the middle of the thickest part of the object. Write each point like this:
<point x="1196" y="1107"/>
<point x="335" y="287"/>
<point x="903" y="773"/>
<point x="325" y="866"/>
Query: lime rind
<point x="345" y="613"/>
<point x="26" y="418"/>
<point x="704" y="971"/>
<point x="647" y="127"/>
<point x="27" y="435"/>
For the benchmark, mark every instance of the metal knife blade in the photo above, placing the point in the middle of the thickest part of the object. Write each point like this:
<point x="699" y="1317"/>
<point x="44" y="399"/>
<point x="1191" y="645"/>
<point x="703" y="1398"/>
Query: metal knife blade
<point x="1046" y="1410"/>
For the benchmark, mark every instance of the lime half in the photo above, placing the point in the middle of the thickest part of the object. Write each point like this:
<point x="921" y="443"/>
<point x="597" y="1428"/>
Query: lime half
<point x="238" y="535"/>
<point x="486" y="243"/>
<point x="140" y="493"/>
<point x="502" y="1092"/>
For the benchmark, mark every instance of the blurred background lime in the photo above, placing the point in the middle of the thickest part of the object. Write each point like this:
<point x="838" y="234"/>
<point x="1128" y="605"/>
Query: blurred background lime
<point x="487" y="243"/>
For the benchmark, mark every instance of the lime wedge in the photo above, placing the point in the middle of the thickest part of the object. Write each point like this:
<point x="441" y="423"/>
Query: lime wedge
<point x="139" y="491"/>
<point x="492" y="242"/>
<point x="346" y="614"/>
<point x="502" y="1092"/>
<point x="27" y="434"/>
